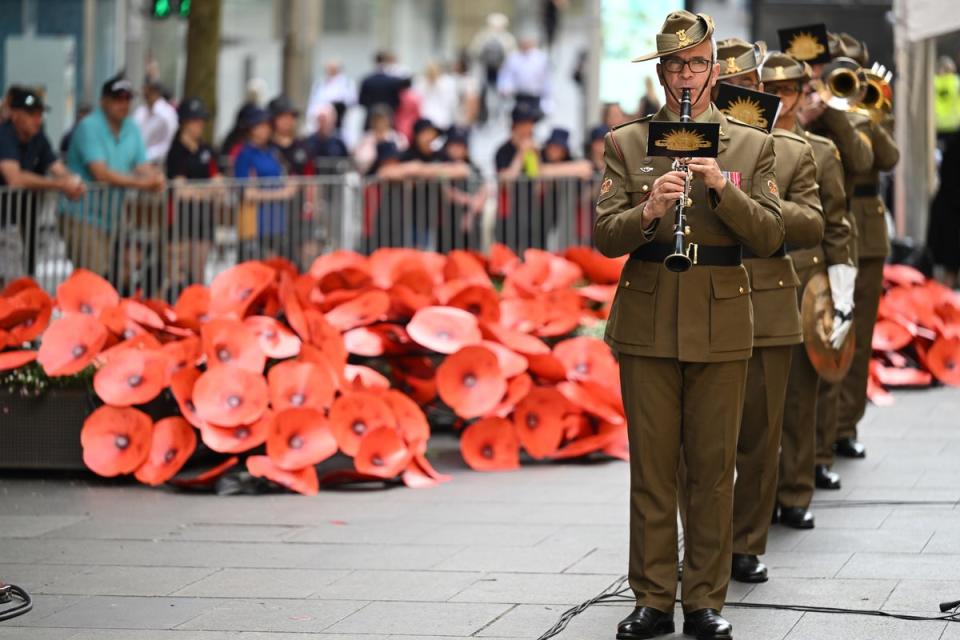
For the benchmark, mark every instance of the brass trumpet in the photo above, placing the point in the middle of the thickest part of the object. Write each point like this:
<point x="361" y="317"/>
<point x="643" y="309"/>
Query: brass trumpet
<point x="846" y="79"/>
<point x="878" y="93"/>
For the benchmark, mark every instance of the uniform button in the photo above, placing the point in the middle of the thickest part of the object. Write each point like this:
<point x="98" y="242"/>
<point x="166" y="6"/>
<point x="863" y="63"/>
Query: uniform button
<point x="689" y="203"/>
<point x="687" y="229"/>
<point x="780" y="283"/>
<point x="741" y="289"/>
<point x="645" y="188"/>
<point x="879" y="208"/>
<point x="627" y="283"/>
<point x="816" y="260"/>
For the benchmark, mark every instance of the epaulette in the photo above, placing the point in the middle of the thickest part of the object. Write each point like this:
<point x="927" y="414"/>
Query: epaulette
<point x="742" y="123"/>
<point x="812" y="137"/>
<point x="790" y="135"/>
<point x="643" y="119"/>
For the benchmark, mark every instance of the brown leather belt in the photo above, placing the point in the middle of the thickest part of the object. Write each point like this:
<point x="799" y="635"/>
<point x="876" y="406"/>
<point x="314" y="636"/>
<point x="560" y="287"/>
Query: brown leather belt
<point x="779" y="253"/>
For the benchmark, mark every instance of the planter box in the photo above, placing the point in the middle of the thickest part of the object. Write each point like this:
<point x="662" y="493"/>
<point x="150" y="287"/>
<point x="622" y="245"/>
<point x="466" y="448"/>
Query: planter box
<point x="44" y="432"/>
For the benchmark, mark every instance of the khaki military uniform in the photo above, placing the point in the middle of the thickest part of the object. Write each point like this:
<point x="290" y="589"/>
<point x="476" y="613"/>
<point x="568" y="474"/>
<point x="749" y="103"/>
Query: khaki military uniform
<point x="873" y="247"/>
<point x="683" y="340"/>
<point x="796" y="480"/>
<point x="776" y="328"/>
<point x="846" y="130"/>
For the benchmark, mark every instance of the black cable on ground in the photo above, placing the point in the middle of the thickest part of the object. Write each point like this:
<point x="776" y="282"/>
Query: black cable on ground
<point x="617" y="593"/>
<point x="8" y="592"/>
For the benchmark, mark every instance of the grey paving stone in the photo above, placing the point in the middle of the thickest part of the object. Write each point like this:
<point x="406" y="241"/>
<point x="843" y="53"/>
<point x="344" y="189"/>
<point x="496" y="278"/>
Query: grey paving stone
<point x="922" y="595"/>
<point x="858" y="594"/>
<point x="601" y="536"/>
<point x="294" y="616"/>
<point x="803" y="564"/>
<point x="233" y="532"/>
<point x="818" y="626"/>
<point x="126" y="581"/>
<point x="193" y="634"/>
<point x="35" y="577"/>
<point x="44" y="607"/>
<point x="262" y="583"/>
<point x="905" y="494"/>
<point x="428" y="586"/>
<point x="759" y="624"/>
<point x="783" y="538"/>
<point x="539" y="559"/>
<point x="525" y="588"/>
<point x="30" y="526"/>
<point x="928" y="518"/>
<point x="508" y="535"/>
<point x="524" y="621"/>
<point x="574" y="513"/>
<point x="902" y="566"/>
<point x="364" y="532"/>
<point x="850" y="517"/>
<point x="421" y="618"/>
<point x="109" y="612"/>
<point x="943" y="542"/>
<point x="114" y="529"/>
<point x="30" y="633"/>
<point x="606" y="561"/>
<point x="865" y="540"/>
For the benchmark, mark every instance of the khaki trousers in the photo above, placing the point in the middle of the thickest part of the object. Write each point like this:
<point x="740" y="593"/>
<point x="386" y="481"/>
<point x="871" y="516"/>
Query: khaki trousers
<point x="852" y="401"/>
<point x="827" y="400"/>
<point x="758" y="447"/>
<point x="693" y="408"/>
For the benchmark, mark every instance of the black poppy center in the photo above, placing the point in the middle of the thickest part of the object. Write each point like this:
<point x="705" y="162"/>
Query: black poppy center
<point x="487" y="452"/>
<point x="470" y="380"/>
<point x="359" y="427"/>
<point x="583" y="367"/>
<point x="135" y="380"/>
<point x="234" y="401"/>
<point x="192" y="407"/>
<point x="241" y="433"/>
<point x="170" y="456"/>
<point x="78" y="350"/>
<point x="121" y="442"/>
<point x="86" y="308"/>
<point x="243" y="294"/>
<point x="444" y="335"/>
<point x="533" y="420"/>
<point x="295" y="442"/>
<point x="223" y="354"/>
<point x="128" y="333"/>
<point x="377" y="461"/>
<point x="474" y="308"/>
<point x="297" y="399"/>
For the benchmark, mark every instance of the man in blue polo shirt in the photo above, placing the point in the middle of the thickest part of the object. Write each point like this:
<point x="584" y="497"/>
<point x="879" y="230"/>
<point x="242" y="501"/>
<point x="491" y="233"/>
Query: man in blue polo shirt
<point x="106" y="147"/>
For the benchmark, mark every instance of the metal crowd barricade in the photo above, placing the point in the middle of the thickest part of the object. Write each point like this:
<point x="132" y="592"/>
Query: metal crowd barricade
<point x="156" y="244"/>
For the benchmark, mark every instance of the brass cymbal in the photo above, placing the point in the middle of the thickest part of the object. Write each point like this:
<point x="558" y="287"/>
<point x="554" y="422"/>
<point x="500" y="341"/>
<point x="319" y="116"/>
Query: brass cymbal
<point x="816" y="311"/>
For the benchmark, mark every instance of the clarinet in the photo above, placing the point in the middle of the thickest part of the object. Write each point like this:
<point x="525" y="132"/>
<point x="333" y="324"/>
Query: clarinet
<point x="678" y="261"/>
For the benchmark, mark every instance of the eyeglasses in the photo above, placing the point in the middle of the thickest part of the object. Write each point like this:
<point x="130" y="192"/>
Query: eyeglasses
<point x="782" y="89"/>
<point x="676" y="65"/>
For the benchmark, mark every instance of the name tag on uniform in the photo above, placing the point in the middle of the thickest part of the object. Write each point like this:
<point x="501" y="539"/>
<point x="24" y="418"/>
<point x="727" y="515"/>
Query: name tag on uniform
<point x="733" y="177"/>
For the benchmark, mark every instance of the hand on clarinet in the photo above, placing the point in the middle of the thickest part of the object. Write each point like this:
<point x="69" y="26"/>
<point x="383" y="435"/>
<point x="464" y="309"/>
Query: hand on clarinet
<point x="709" y="170"/>
<point x="667" y="190"/>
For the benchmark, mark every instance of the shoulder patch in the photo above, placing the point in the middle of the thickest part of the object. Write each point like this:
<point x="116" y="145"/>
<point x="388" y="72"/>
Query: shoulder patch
<point x="634" y="121"/>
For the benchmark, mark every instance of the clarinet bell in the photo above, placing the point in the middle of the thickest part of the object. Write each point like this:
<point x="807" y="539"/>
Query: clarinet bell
<point x="677" y="263"/>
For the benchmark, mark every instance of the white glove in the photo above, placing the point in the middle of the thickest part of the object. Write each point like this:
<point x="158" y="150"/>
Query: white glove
<point x="843" y="278"/>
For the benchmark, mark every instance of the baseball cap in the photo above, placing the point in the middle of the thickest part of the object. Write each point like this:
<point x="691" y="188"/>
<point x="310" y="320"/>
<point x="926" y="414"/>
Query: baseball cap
<point x="116" y="87"/>
<point x="254" y="117"/>
<point x="192" y="109"/>
<point x="26" y="99"/>
<point x="524" y="112"/>
<point x="281" y="105"/>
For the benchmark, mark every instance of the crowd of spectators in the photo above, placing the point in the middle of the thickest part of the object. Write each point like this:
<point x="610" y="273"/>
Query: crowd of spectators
<point x="414" y="146"/>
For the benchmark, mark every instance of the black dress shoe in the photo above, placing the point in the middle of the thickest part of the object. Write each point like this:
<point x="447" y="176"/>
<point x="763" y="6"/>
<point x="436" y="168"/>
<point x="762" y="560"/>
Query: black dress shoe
<point x="775" y="518"/>
<point x="707" y="624"/>
<point x="849" y="448"/>
<point x="826" y="479"/>
<point x="645" y="622"/>
<point x="796" y="517"/>
<point x="748" y="568"/>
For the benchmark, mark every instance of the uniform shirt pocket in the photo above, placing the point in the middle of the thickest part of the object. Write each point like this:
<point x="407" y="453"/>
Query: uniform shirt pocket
<point x="633" y="315"/>
<point x="731" y="321"/>
<point x="638" y="187"/>
<point x="774" y="286"/>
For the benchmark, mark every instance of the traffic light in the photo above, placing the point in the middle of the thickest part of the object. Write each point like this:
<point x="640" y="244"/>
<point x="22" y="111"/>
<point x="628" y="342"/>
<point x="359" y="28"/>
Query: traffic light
<point x="160" y="9"/>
